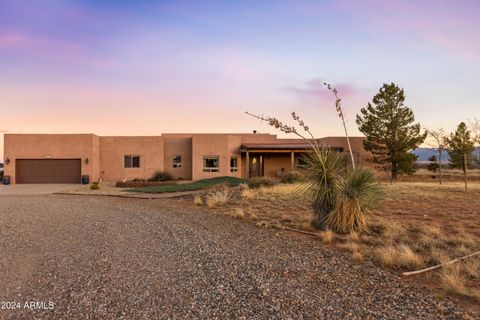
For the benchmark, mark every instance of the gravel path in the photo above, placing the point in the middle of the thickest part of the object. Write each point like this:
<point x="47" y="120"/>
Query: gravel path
<point x="110" y="258"/>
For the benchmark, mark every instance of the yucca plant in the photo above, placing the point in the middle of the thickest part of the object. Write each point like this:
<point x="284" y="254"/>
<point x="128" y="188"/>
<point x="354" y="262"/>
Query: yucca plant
<point x="356" y="194"/>
<point x="342" y="194"/>
<point x="322" y="178"/>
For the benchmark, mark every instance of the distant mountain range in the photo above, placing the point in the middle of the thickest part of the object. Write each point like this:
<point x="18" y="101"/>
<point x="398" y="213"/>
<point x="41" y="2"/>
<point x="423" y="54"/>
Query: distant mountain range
<point x="425" y="153"/>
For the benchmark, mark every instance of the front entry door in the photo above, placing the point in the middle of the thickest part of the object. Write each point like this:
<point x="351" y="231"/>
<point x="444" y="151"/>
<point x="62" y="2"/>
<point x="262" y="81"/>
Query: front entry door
<point x="256" y="166"/>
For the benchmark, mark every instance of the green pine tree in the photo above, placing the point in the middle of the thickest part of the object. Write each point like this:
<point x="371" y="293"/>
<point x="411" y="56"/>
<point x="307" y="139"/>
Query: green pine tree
<point x="461" y="148"/>
<point x="390" y="130"/>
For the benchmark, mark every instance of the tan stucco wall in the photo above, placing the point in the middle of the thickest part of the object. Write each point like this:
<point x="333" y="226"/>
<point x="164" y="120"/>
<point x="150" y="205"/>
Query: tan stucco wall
<point x="113" y="150"/>
<point x="181" y="146"/>
<point x="54" y="146"/>
<point x="209" y="145"/>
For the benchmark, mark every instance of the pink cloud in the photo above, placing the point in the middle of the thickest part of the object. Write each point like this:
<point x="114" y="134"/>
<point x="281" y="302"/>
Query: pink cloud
<point x="315" y="89"/>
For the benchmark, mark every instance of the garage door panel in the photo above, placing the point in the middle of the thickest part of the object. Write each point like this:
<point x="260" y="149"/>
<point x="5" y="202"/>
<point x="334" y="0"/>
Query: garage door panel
<point x="48" y="170"/>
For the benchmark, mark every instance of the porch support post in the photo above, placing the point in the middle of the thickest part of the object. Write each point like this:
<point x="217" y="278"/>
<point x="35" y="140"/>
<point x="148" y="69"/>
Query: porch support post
<point x="292" y="160"/>
<point x="247" y="165"/>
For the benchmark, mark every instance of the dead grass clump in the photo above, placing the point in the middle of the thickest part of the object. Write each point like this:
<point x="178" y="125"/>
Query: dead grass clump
<point x="197" y="199"/>
<point x="327" y="236"/>
<point x="246" y="192"/>
<point x="217" y="196"/>
<point x="357" y="256"/>
<point x="253" y="216"/>
<point x="467" y="239"/>
<point x="472" y="268"/>
<point x="386" y="255"/>
<point x="432" y="231"/>
<point x="453" y="280"/>
<point x="238" y="213"/>
<point x="408" y="258"/>
<point x="394" y="231"/>
<point x="282" y="190"/>
<point x="438" y="255"/>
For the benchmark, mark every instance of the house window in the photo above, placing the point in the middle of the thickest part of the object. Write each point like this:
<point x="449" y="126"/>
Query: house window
<point x="233" y="164"/>
<point x="211" y="164"/>
<point x="177" y="161"/>
<point x="302" y="164"/>
<point x="131" y="161"/>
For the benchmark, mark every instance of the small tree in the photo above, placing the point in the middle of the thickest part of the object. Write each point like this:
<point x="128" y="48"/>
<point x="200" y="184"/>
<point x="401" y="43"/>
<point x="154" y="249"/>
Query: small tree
<point x="461" y="146"/>
<point x="390" y="130"/>
<point x="475" y="128"/>
<point x="433" y="165"/>
<point x="437" y="140"/>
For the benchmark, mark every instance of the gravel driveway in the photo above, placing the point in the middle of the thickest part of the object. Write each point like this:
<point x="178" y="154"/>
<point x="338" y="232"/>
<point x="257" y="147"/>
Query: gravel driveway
<point x="108" y="258"/>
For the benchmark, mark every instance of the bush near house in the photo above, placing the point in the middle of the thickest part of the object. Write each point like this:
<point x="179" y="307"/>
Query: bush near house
<point x="292" y="177"/>
<point x="258" y="182"/>
<point x="197" y="185"/>
<point x="161" y="176"/>
<point x="94" y="186"/>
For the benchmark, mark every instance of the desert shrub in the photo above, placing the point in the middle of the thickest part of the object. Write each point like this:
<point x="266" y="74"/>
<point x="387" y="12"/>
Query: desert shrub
<point x="355" y="196"/>
<point x="291" y="177"/>
<point x="197" y="199"/>
<point x="161" y="176"/>
<point x="258" y="182"/>
<point x="94" y="186"/>
<point x="217" y="195"/>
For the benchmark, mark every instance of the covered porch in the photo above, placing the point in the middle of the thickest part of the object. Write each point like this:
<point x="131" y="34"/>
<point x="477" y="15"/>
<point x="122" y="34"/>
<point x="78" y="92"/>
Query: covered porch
<point x="272" y="160"/>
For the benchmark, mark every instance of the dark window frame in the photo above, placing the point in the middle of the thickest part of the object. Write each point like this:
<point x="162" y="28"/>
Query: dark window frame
<point x="207" y="168"/>
<point x="235" y="167"/>
<point x="131" y="161"/>
<point x="175" y="162"/>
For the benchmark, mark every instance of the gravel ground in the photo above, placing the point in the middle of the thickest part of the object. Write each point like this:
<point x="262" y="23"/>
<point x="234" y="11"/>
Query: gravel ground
<point x="110" y="258"/>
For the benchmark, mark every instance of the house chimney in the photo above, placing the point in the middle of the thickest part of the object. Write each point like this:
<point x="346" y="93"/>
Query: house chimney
<point x="254" y="131"/>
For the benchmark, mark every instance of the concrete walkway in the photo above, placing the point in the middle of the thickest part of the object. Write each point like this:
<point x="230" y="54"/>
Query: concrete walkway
<point x="35" y="189"/>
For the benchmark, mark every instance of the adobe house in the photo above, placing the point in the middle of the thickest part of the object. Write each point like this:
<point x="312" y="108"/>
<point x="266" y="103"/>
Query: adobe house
<point x="64" y="158"/>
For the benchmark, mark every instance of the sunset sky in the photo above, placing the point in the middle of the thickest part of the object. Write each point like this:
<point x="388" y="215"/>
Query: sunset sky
<point x="147" y="67"/>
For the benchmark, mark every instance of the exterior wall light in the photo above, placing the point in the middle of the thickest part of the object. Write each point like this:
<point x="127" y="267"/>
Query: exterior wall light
<point x="86" y="160"/>
<point x="48" y="156"/>
<point x="7" y="161"/>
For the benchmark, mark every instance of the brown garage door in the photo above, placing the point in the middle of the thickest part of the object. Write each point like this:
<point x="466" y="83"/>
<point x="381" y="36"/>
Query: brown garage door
<point x="48" y="170"/>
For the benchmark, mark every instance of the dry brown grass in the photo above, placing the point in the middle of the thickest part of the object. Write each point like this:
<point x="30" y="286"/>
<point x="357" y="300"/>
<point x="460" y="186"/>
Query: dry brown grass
<point x="408" y="258"/>
<point x="417" y="224"/>
<point x="386" y="255"/>
<point x="327" y="236"/>
<point x="238" y="213"/>
<point x="197" y="199"/>
<point x="472" y="268"/>
<point x="453" y="280"/>
<point x="217" y="197"/>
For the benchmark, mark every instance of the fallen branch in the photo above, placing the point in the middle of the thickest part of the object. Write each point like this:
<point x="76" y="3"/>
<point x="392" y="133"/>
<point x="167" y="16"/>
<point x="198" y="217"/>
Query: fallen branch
<point x="301" y="231"/>
<point x="411" y="273"/>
